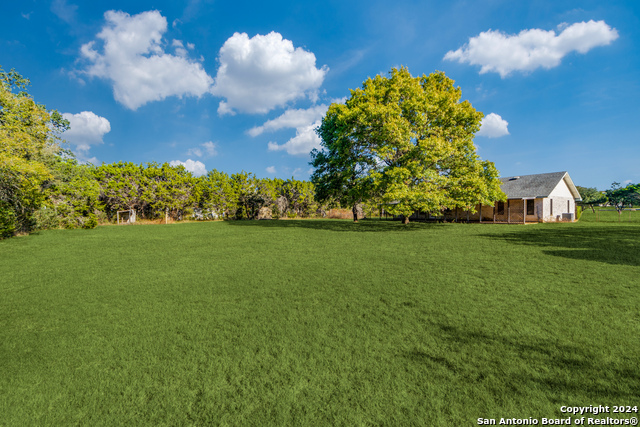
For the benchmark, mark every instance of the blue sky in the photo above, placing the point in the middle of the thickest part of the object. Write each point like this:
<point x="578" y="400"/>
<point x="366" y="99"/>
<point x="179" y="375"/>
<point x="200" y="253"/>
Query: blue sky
<point x="241" y="86"/>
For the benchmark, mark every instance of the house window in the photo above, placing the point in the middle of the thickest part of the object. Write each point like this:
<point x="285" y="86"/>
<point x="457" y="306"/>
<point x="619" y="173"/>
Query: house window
<point x="500" y="208"/>
<point x="530" y="206"/>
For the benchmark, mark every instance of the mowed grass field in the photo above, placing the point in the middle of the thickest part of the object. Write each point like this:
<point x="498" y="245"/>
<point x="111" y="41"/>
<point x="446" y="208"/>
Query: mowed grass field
<point x="318" y="323"/>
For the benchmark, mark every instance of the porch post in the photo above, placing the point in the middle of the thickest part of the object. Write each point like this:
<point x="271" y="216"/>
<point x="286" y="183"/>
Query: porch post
<point x="494" y="212"/>
<point x="524" y="211"/>
<point x="508" y="212"/>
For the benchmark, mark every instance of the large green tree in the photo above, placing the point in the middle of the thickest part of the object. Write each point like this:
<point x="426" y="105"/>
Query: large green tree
<point x="343" y="167"/>
<point x="407" y="140"/>
<point x="29" y="135"/>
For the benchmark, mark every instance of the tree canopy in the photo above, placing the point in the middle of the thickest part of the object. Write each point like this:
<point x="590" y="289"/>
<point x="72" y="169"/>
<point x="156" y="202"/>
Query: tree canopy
<point x="29" y="137"/>
<point x="407" y="141"/>
<point x="619" y="197"/>
<point x="591" y="197"/>
<point x="343" y="168"/>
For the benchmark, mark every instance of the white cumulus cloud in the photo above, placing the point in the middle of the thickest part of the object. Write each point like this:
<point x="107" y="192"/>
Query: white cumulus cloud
<point x="502" y="53"/>
<point x="493" y="126"/>
<point x="133" y="59"/>
<point x="306" y="139"/>
<point x="85" y="129"/>
<point x="304" y="121"/>
<point x="293" y="118"/>
<point x="196" y="167"/>
<point x="179" y="48"/>
<point x="271" y="170"/>
<point x="264" y="72"/>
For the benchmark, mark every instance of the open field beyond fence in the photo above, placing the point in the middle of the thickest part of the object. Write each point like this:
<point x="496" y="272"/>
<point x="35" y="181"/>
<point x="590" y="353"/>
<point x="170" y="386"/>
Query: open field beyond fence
<point x="609" y="214"/>
<point x="318" y="322"/>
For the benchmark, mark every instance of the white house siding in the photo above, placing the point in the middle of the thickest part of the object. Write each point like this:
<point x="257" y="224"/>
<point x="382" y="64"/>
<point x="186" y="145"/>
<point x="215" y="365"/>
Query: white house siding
<point x="561" y="191"/>
<point x="540" y="209"/>
<point x="563" y="202"/>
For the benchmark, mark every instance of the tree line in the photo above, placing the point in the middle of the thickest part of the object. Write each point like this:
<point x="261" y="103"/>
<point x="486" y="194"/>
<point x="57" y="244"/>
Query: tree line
<point x="74" y="195"/>
<point x="83" y="195"/>
<point x="42" y="185"/>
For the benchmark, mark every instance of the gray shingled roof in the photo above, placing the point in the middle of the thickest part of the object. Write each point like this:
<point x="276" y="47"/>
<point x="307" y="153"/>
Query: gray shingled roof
<point x="539" y="185"/>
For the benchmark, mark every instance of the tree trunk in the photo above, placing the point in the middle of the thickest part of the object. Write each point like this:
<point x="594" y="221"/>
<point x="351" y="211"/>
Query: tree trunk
<point x="405" y="219"/>
<point x="593" y="209"/>
<point x="355" y="212"/>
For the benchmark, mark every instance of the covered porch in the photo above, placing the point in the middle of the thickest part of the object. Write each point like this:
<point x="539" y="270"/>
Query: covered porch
<point x="513" y="211"/>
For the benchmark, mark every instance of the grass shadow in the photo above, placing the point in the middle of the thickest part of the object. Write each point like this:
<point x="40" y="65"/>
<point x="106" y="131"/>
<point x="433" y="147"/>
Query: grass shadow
<point x="365" y="225"/>
<point x="531" y="363"/>
<point x="618" y="245"/>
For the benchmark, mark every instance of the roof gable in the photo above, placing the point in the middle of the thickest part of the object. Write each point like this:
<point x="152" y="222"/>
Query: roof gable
<point x="534" y="186"/>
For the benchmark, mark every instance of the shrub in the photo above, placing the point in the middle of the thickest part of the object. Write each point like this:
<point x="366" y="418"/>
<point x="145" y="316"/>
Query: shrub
<point x="46" y="218"/>
<point x="7" y="221"/>
<point x="101" y="216"/>
<point x="90" y="221"/>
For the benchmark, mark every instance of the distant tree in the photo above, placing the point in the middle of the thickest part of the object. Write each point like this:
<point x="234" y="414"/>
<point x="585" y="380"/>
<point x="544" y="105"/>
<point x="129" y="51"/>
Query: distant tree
<point x="619" y="197"/>
<point x="122" y="187"/>
<point x="300" y="197"/>
<point x="242" y="195"/>
<point x="72" y="196"/>
<point x="409" y="140"/>
<point x="249" y="202"/>
<point x="591" y="197"/>
<point x="267" y="192"/>
<point x="169" y="189"/>
<point x="218" y="194"/>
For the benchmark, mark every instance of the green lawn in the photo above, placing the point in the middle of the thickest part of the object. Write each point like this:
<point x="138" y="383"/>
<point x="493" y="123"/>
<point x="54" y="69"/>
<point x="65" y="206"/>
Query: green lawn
<point x="318" y="323"/>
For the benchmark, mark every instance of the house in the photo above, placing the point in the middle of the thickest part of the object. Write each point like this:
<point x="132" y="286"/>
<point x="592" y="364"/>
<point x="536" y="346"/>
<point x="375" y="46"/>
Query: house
<point x="545" y="197"/>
